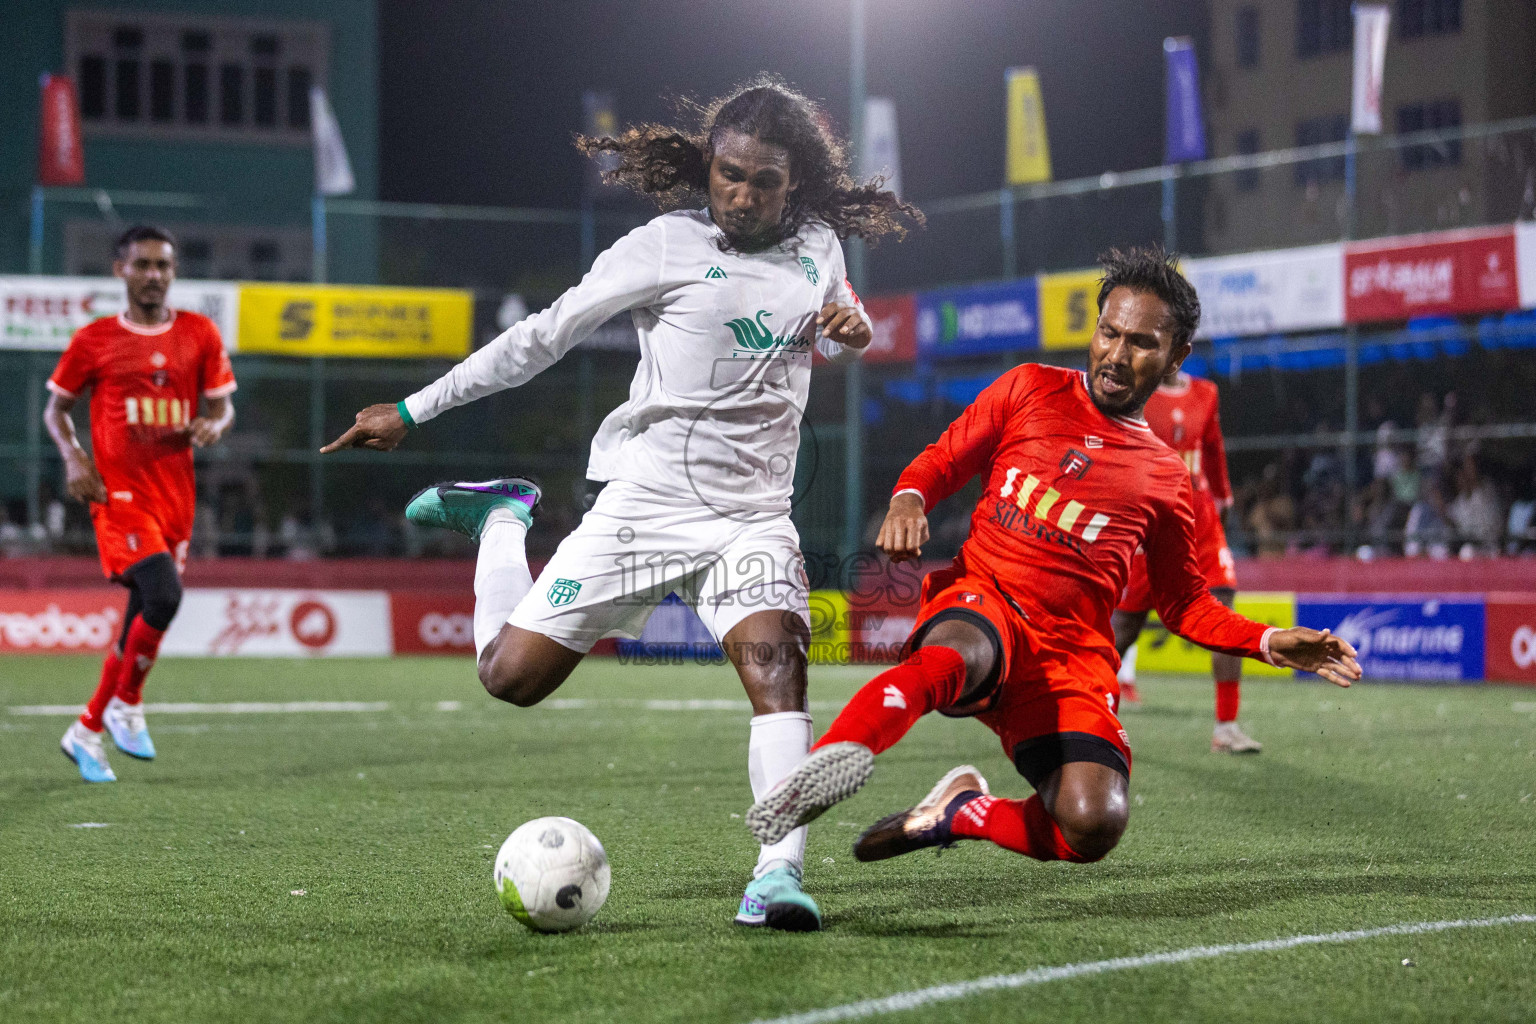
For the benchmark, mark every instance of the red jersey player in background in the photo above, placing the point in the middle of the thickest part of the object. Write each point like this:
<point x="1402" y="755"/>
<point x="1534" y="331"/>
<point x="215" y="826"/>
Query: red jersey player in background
<point x="1016" y="632"/>
<point x="148" y="370"/>
<point x="1184" y="412"/>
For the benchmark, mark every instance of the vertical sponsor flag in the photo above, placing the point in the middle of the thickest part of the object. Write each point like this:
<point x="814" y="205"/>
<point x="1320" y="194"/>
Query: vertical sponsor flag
<point x="599" y="120"/>
<point x="1371" y="23"/>
<point x="60" y="155"/>
<point x="1029" y="154"/>
<point x="1185" y="120"/>
<point x="880" y="153"/>
<point x="333" y="171"/>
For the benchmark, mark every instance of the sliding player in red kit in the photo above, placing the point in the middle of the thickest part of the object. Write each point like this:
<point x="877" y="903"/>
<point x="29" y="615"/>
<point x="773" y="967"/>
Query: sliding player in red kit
<point x="1016" y="632"/>
<point x="1184" y="413"/>
<point x="148" y="370"/>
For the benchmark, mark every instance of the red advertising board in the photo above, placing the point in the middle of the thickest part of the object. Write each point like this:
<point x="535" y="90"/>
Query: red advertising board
<point x="60" y="621"/>
<point x="1449" y="272"/>
<point x="1511" y="656"/>
<point x="433" y="621"/>
<point x="893" y="320"/>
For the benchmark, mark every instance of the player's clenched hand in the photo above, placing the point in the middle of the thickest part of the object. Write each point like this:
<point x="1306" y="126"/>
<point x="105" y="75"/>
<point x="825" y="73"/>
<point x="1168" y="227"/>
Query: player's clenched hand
<point x="378" y="427"/>
<point x="905" y="529"/>
<point x="844" y="325"/>
<point x="81" y="480"/>
<point x="1329" y="656"/>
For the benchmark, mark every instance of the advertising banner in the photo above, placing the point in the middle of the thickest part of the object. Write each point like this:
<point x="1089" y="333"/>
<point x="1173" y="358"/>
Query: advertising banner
<point x="1185" y="122"/>
<point x="60" y="154"/>
<point x="352" y="321"/>
<point x="432" y="621"/>
<point x="1525" y="262"/>
<point x="1450" y="272"/>
<point x="1069" y="308"/>
<point x="1371" y="23"/>
<point x="60" y="621"/>
<point x="1158" y="650"/>
<point x="893" y="321"/>
<point x="1512" y="638"/>
<point x="672" y="635"/>
<point x="280" y="623"/>
<point x="1269" y="292"/>
<point x="43" y="313"/>
<point x="881" y="153"/>
<point x="1028" y="153"/>
<point x="1411" y="637"/>
<point x="986" y="318"/>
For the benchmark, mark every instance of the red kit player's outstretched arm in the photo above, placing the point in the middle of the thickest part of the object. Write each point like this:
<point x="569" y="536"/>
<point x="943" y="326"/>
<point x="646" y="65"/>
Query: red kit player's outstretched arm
<point x="965" y="448"/>
<point x="1213" y="459"/>
<point x="1180" y="590"/>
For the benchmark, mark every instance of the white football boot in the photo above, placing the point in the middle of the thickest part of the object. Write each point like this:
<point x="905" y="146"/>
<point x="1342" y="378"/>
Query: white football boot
<point x="1227" y="738"/>
<point x="83" y="747"/>
<point x="126" y="724"/>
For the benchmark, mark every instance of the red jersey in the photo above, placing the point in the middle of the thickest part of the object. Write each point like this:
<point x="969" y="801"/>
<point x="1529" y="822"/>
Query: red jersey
<point x="1071" y="493"/>
<point x="1187" y="418"/>
<point x="145" y="386"/>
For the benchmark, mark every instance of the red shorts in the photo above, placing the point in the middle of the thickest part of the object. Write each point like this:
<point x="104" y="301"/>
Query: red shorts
<point x="1047" y="691"/>
<point x="1211" y="552"/>
<point x="128" y="533"/>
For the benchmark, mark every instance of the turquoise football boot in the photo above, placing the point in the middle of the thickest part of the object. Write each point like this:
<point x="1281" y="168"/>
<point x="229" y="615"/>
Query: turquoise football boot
<point x="126" y="724"/>
<point x="83" y="747"/>
<point x="777" y="901"/>
<point x="463" y="506"/>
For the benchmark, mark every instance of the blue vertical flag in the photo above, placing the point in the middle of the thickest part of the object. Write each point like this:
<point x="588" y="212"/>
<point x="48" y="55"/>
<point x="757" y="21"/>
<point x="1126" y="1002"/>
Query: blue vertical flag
<point x="1186" y="120"/>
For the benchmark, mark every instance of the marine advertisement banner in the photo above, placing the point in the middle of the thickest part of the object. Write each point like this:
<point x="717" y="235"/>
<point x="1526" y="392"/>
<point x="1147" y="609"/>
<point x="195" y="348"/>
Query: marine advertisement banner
<point x="1412" y="637"/>
<point x="1069" y="308"/>
<point x="1447" y="273"/>
<point x="1001" y="317"/>
<point x="43" y="313"/>
<point x="355" y="322"/>
<point x="1268" y="292"/>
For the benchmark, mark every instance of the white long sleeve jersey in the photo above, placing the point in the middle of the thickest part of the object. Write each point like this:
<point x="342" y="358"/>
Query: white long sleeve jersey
<point x="725" y="358"/>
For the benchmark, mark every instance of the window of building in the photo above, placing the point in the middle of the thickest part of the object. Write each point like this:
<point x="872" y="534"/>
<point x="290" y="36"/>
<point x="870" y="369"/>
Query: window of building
<point x="1316" y="131"/>
<point x="1247" y="145"/>
<point x="1323" y="26"/>
<point x="1430" y="115"/>
<point x="229" y="252"/>
<point x="1247" y="31"/>
<point x="1417" y="18"/>
<point x="174" y="76"/>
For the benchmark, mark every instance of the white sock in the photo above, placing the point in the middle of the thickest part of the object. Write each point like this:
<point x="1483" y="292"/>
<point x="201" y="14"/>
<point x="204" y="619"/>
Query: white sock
<point x="1127" y="673"/>
<point x="779" y="742"/>
<point x="501" y="574"/>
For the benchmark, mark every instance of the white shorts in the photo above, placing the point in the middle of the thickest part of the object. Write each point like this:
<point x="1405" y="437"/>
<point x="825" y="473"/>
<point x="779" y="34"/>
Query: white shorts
<point x="635" y="547"/>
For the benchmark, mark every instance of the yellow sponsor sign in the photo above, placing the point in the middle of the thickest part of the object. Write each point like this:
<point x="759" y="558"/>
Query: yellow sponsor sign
<point x="830" y="633"/>
<point x="350" y="321"/>
<point x="1029" y="154"/>
<point x="1160" y="651"/>
<point x="1069" y="308"/>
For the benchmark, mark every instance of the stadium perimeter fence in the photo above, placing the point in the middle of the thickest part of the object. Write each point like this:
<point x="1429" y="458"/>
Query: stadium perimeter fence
<point x="1308" y="416"/>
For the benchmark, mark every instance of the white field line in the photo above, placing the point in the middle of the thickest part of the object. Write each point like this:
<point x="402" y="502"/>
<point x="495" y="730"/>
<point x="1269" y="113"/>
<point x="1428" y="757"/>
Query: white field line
<point x="1525" y="705"/>
<point x="1040" y="975"/>
<point x="301" y="706"/>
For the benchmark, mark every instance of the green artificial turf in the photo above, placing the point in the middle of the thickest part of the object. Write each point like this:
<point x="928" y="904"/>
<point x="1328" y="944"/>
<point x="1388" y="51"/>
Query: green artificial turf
<point x="1374" y="806"/>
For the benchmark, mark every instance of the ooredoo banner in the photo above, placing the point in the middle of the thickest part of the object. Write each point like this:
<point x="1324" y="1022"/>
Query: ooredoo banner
<point x="280" y="623"/>
<point x="43" y="313"/>
<point x="1512" y="638"/>
<point x="1264" y="292"/>
<point x="433" y="621"/>
<point x="1413" y="637"/>
<point x="60" y="621"/>
<point x="1450" y="272"/>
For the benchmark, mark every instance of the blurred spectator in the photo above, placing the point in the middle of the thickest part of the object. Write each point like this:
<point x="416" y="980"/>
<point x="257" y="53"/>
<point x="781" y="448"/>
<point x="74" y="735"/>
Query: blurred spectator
<point x="1434" y="440"/>
<point x="1475" y="512"/>
<point x="1273" y="516"/>
<point x="1520" y="530"/>
<point x="1428" y="530"/>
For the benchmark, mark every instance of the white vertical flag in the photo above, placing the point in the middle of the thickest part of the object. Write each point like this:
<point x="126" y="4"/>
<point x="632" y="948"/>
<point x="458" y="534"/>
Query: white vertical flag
<point x="1371" y="24"/>
<point x="880" y="153"/>
<point x="333" y="171"/>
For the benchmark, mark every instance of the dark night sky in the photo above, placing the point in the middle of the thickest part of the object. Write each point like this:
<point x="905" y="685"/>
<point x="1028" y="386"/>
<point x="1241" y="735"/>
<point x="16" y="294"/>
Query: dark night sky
<point x="479" y="98"/>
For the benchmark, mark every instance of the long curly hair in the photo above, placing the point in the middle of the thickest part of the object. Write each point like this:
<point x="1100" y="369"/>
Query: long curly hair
<point x="671" y="165"/>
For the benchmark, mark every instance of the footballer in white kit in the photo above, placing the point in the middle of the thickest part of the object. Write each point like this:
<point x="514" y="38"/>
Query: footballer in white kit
<point x="698" y="465"/>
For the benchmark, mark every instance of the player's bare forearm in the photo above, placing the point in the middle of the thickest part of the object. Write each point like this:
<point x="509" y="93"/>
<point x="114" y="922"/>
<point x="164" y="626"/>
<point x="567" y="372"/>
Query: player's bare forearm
<point x="845" y="325"/>
<point x="81" y="479"/>
<point x="379" y="427"/>
<point x="1327" y="655"/>
<point x="217" y="418"/>
<point x="905" y="529"/>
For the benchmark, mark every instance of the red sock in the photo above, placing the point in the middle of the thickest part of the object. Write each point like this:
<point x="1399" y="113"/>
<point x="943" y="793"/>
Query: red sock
<point x="892" y="702"/>
<point x="1022" y="826"/>
<point x="1226" y="700"/>
<point x="111" y="669"/>
<point x="138" y="658"/>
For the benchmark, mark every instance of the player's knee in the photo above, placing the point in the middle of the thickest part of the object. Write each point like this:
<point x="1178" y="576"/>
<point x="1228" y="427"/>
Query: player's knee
<point x="1092" y="823"/>
<point x="160" y="594"/>
<point x="511" y="683"/>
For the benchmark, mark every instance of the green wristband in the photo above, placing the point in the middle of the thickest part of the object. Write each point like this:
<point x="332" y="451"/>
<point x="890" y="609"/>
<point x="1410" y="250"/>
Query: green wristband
<point x="405" y="414"/>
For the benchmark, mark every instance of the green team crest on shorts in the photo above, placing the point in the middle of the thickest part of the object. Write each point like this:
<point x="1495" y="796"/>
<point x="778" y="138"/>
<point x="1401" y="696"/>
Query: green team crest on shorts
<point x="563" y="592"/>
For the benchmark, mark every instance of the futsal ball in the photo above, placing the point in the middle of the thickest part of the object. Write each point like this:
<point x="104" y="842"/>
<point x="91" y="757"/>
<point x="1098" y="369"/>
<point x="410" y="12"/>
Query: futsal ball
<point x="552" y="874"/>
